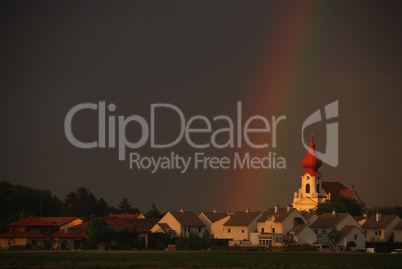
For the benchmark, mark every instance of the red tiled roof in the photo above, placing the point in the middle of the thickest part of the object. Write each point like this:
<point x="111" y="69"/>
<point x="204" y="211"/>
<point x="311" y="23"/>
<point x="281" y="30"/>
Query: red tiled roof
<point x="32" y="221"/>
<point x="143" y="225"/>
<point x="62" y="234"/>
<point x="347" y="193"/>
<point x="333" y="187"/>
<point x="22" y="235"/>
<point x="125" y="216"/>
<point x="119" y="224"/>
<point x="78" y="230"/>
<point x="58" y="220"/>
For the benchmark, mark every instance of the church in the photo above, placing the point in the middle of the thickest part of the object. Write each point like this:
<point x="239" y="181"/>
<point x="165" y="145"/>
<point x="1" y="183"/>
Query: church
<point x="313" y="190"/>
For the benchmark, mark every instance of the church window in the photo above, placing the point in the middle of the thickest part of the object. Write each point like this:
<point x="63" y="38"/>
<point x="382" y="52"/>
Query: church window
<point x="273" y="230"/>
<point x="308" y="177"/>
<point x="355" y="236"/>
<point x="307" y="188"/>
<point x="228" y="230"/>
<point x="318" y="187"/>
<point x="262" y="230"/>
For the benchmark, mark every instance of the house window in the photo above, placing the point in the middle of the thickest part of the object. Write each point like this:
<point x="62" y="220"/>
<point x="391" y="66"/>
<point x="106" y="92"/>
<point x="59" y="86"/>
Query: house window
<point x="355" y="236"/>
<point x="262" y="230"/>
<point x="242" y="231"/>
<point x="365" y="232"/>
<point x="375" y="232"/>
<point x="188" y="229"/>
<point x="379" y="232"/>
<point x="273" y="230"/>
<point x="307" y="188"/>
<point x="318" y="188"/>
<point x="35" y="243"/>
<point x="316" y="231"/>
<point x="199" y="230"/>
<point x="228" y="230"/>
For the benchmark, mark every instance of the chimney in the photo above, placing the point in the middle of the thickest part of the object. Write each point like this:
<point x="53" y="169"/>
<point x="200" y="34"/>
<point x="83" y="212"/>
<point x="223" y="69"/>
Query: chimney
<point x="377" y="217"/>
<point x="334" y="213"/>
<point x="182" y="210"/>
<point x="276" y="208"/>
<point x="247" y="209"/>
<point x="288" y="208"/>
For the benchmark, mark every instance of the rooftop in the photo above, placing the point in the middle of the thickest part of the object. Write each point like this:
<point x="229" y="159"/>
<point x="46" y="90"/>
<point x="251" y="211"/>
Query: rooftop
<point x="382" y="223"/>
<point x="241" y="218"/>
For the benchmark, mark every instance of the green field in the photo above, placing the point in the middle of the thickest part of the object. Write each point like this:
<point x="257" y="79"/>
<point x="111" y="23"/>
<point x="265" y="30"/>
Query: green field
<point x="199" y="259"/>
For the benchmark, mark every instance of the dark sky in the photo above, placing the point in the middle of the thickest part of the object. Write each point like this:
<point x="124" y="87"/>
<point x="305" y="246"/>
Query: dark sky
<point x="276" y="57"/>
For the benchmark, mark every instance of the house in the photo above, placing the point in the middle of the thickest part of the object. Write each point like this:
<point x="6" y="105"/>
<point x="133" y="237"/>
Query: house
<point x="351" y="233"/>
<point x="62" y="239"/>
<point x="276" y="222"/>
<point x="36" y="233"/>
<point x="127" y="216"/>
<point x="398" y="233"/>
<point x="239" y="226"/>
<point x="211" y="217"/>
<point x="379" y="228"/>
<point x="179" y="222"/>
<point x="80" y="237"/>
<point x="217" y="228"/>
<point x="328" y="221"/>
<point x="303" y="234"/>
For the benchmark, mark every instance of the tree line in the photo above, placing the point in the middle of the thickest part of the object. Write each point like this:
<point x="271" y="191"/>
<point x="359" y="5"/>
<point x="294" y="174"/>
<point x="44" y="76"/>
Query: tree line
<point x="18" y="200"/>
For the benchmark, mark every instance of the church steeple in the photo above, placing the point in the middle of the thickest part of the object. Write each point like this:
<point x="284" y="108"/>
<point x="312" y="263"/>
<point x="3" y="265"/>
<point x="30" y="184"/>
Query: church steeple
<point x="310" y="161"/>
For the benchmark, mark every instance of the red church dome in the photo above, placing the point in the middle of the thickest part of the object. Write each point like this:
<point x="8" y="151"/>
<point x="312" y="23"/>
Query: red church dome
<point x="310" y="161"/>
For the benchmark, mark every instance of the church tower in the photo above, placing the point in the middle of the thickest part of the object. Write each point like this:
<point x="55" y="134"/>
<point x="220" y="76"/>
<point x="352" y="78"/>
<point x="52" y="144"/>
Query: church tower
<point x="311" y="192"/>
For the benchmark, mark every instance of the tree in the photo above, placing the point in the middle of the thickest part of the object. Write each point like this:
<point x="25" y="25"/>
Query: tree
<point x="97" y="231"/>
<point x="340" y="204"/>
<point x="125" y="239"/>
<point x="334" y="237"/>
<point x="350" y="244"/>
<point x="153" y="212"/>
<point x="126" y="207"/>
<point x="288" y="239"/>
<point x="81" y="203"/>
<point x="102" y="208"/>
<point x="385" y="210"/>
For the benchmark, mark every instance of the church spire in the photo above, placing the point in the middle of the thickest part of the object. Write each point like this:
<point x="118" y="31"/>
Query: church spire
<point x="310" y="161"/>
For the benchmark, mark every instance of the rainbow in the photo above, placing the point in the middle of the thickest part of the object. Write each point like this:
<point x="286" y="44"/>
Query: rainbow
<point x="280" y="75"/>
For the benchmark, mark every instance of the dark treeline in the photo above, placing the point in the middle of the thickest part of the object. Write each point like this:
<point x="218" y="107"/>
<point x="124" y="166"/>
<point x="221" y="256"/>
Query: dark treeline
<point x="18" y="200"/>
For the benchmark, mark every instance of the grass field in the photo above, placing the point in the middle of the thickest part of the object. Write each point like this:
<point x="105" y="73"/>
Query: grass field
<point x="199" y="259"/>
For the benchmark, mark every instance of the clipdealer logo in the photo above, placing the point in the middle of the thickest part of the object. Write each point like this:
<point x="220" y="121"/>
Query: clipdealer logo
<point x="237" y="130"/>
